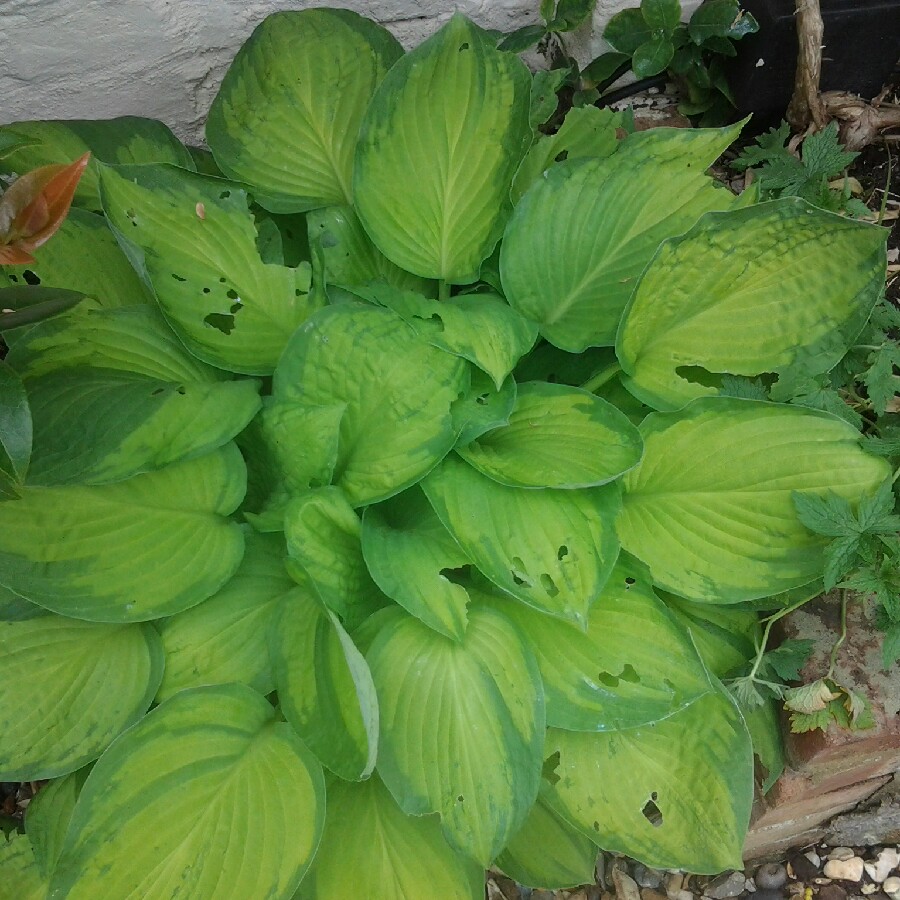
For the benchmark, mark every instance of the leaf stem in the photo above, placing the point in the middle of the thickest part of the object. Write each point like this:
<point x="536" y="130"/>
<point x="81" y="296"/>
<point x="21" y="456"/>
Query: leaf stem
<point x="602" y="377"/>
<point x="443" y="290"/>
<point x="841" y="638"/>
<point x="770" y="621"/>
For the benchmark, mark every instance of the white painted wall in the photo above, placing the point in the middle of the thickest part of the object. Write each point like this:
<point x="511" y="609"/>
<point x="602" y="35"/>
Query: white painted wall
<point x="166" y="58"/>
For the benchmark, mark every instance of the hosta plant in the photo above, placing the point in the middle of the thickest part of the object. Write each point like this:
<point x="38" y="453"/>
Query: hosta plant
<point x="385" y="511"/>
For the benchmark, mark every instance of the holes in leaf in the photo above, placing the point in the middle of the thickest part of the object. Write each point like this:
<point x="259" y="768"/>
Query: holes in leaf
<point x="157" y="392"/>
<point x="222" y="280"/>
<point x="596" y="826"/>
<point x="629" y="581"/>
<point x="699" y="375"/>
<point x="458" y="576"/>
<point x="14" y="278"/>
<point x="181" y="389"/>
<point x="235" y="307"/>
<point x="224" y="195"/>
<point x="482" y="399"/>
<point x="651" y="812"/>
<point x="31" y="277"/>
<point x="628" y="675"/>
<point x="549" y="585"/>
<point x="221" y="322"/>
<point x="562" y="156"/>
<point x="232" y="294"/>
<point x="562" y="552"/>
<point x="464" y="46"/>
<point x="178" y="277"/>
<point x="460" y="799"/>
<point x="548" y="769"/>
<point x="519" y="573"/>
<point x="297" y="292"/>
<point x="205" y="290"/>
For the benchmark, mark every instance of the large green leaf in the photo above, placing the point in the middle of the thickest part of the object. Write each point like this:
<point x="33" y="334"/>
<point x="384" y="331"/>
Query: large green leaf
<point x="323" y="542"/>
<point x="324" y="686"/>
<point x="226" y="638"/>
<point x="28" y="304"/>
<point x="410" y="555"/>
<point x="551" y="549"/>
<point x="547" y="852"/>
<point x="134" y="339"/>
<point x="123" y="140"/>
<point x="94" y="425"/>
<point x="372" y="850"/>
<point x="709" y="508"/>
<point x="481" y="328"/>
<point x="746" y="292"/>
<point x="48" y="815"/>
<point x="397" y="389"/>
<point x="71" y="687"/>
<point x="462" y="727"/>
<point x="633" y="664"/>
<point x="193" y="238"/>
<point x="557" y="437"/>
<point x="183" y="803"/>
<point x="346" y="256"/>
<point x="438" y="149"/>
<point x="16" y="426"/>
<point x="84" y="256"/>
<point x="73" y="549"/>
<point x="20" y="877"/>
<point x="605" y="219"/>
<point x="287" y="115"/>
<point x="675" y="793"/>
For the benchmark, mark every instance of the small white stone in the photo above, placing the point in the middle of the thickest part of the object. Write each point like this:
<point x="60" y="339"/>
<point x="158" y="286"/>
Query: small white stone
<point x="891" y="886"/>
<point x="868" y="889"/>
<point x="884" y="864"/>
<point x="760" y="63"/>
<point x="814" y="858"/>
<point x="841" y="853"/>
<point x="844" y="869"/>
<point x="750" y="885"/>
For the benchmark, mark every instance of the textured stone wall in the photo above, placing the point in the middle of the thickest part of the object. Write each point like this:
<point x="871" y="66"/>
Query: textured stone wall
<point x="166" y="58"/>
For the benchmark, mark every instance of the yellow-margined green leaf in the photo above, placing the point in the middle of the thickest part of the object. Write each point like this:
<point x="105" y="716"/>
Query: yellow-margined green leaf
<point x="73" y="548"/>
<point x="184" y="802"/>
<point x="557" y="437"/>
<point x="194" y="239"/>
<point x="747" y="292"/>
<point x="670" y="793"/>
<point x="287" y="115"/>
<point x="438" y="149"/>
<point x="372" y="850"/>
<point x="551" y="549"/>
<point x="324" y="686"/>
<point x="604" y="218"/>
<point x="226" y="638"/>
<point x="709" y="508"/>
<point x="70" y="687"/>
<point x="398" y="391"/>
<point x="462" y="727"/>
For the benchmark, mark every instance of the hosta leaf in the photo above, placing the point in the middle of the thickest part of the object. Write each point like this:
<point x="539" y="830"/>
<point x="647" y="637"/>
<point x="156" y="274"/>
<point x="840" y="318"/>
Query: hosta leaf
<point x="166" y="809"/>
<point x="48" y="815"/>
<point x="586" y="131"/>
<point x="324" y="686"/>
<point x="122" y="140"/>
<point x="557" y="437"/>
<point x="73" y="548"/>
<point x="288" y="112"/>
<point x="462" y="727"/>
<point x="551" y="549"/>
<point x="69" y="688"/>
<point x="634" y="204"/>
<point x="397" y="389"/>
<point x="709" y="507"/>
<point x="20" y="877"/>
<point x="670" y="793"/>
<point x="31" y="304"/>
<point x="226" y="637"/>
<point x="93" y="425"/>
<point x="323" y="537"/>
<point x="372" y="850"/>
<point x="764" y="725"/>
<point x="548" y="853"/>
<point x="410" y="555"/>
<point x="481" y="328"/>
<point x="438" y="149"/>
<point x="194" y="239"/>
<point x="482" y="408"/>
<point x="135" y="339"/>
<point x="348" y="257"/>
<point x="16" y="426"/>
<point x="750" y="291"/>
<point x="84" y="256"/>
<point x="632" y="665"/>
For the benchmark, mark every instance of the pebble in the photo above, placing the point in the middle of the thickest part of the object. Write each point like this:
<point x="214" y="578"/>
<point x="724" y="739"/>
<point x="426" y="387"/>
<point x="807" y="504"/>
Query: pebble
<point x="626" y="889"/>
<point x="750" y="886"/>
<point x="844" y="869"/>
<point x="771" y="876"/>
<point x="841" y="853"/>
<point x="647" y="878"/>
<point x="884" y="864"/>
<point x="768" y="894"/>
<point x="891" y="886"/>
<point x="831" y="892"/>
<point x="867" y="889"/>
<point x="650" y="894"/>
<point x="725" y="886"/>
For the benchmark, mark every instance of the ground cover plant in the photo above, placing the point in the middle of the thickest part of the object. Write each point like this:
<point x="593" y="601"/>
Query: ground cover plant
<point x="387" y="508"/>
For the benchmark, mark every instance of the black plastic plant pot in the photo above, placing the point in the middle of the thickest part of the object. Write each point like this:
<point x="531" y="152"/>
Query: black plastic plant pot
<point x="862" y="47"/>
